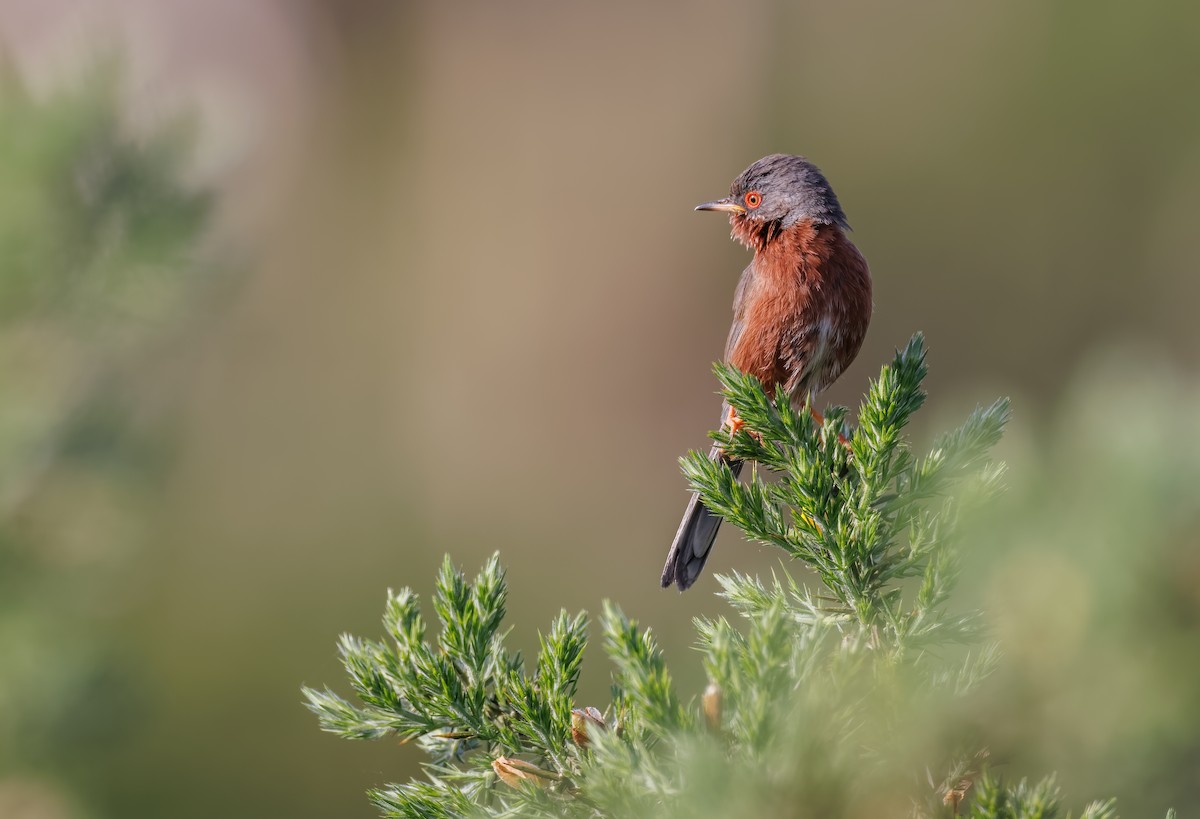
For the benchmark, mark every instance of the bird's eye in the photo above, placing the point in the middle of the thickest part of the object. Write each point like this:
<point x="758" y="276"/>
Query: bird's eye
<point x="753" y="199"/>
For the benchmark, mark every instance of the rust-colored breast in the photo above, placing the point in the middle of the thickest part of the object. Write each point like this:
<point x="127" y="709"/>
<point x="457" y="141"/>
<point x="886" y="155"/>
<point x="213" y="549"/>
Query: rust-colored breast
<point x="801" y="310"/>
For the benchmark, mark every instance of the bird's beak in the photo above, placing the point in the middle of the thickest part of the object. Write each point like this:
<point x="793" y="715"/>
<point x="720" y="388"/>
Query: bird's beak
<point x="728" y="205"/>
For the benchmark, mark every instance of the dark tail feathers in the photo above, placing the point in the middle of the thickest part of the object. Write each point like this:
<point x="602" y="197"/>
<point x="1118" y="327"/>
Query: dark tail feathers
<point x="694" y="539"/>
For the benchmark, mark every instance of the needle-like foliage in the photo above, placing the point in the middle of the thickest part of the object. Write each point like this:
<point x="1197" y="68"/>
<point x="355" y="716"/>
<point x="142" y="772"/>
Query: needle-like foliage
<point x="861" y="511"/>
<point x="832" y="700"/>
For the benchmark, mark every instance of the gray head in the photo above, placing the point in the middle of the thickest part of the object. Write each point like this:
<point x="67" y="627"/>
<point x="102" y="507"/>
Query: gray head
<point x="782" y="190"/>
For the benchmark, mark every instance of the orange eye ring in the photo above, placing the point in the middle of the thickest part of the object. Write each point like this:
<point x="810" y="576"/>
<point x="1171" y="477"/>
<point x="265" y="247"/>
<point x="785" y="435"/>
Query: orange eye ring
<point x="753" y="199"/>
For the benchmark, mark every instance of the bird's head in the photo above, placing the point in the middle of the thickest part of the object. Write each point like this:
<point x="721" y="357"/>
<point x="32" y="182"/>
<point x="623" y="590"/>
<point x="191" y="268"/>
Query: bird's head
<point x="775" y="193"/>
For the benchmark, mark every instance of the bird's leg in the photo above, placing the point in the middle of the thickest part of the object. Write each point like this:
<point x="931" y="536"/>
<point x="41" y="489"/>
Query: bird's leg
<point x="820" y="419"/>
<point x="733" y="422"/>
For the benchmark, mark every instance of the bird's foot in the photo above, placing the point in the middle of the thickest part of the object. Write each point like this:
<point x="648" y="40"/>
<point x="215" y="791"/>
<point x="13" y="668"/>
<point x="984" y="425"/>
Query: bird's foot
<point x="736" y="424"/>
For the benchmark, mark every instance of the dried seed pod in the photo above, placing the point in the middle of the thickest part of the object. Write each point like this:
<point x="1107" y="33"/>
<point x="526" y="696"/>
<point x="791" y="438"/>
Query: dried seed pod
<point x="584" y="720"/>
<point x="954" y="796"/>
<point x="515" y="771"/>
<point x="711" y="702"/>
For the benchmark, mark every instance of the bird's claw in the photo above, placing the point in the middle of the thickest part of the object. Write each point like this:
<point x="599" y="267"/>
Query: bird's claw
<point x="736" y="424"/>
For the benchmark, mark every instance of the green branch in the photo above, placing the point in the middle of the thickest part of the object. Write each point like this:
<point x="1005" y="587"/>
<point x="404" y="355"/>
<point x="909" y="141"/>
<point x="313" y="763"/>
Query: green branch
<point x="817" y="700"/>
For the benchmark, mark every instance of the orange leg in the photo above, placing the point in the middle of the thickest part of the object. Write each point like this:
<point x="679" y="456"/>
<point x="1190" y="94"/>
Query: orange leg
<point x="733" y="422"/>
<point x="820" y="419"/>
<point x="735" y="425"/>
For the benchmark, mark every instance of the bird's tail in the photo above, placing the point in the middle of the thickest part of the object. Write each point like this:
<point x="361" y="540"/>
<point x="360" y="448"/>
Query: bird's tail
<point x="695" y="537"/>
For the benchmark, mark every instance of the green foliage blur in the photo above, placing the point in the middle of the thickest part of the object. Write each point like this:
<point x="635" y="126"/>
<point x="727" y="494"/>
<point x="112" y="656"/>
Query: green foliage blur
<point x="97" y="244"/>
<point x="1090" y="569"/>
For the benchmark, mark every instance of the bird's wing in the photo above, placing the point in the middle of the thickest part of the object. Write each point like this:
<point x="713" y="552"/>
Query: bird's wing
<point x="698" y="530"/>
<point x="739" y="309"/>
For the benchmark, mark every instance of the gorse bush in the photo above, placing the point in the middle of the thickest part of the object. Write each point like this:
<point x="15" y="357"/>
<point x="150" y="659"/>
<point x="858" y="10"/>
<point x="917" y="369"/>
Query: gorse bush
<point x="842" y="699"/>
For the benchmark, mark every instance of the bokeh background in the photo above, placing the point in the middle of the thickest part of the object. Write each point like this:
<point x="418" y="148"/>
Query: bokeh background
<point x="299" y="296"/>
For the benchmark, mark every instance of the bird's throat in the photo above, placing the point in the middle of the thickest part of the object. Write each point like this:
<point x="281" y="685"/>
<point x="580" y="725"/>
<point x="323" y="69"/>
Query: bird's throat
<point x="754" y="233"/>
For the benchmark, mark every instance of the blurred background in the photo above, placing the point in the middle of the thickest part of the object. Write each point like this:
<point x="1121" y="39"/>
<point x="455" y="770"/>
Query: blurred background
<point x="297" y="297"/>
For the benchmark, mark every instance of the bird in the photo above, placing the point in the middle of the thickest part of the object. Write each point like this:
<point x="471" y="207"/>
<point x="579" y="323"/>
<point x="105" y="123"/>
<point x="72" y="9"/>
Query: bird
<point x="800" y="310"/>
